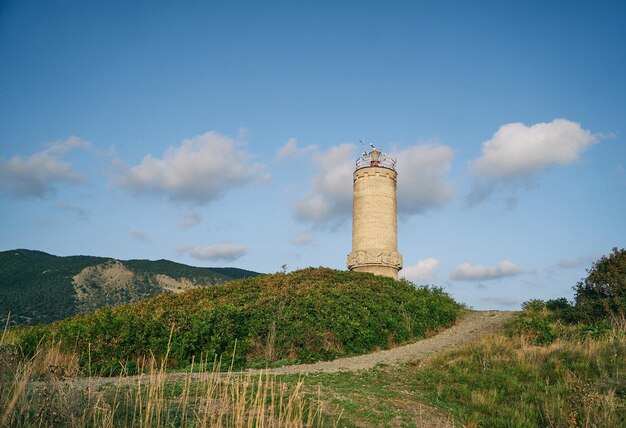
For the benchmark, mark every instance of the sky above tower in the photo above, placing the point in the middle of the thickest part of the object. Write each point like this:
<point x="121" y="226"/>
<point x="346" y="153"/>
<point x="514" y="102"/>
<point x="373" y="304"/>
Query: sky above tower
<point x="225" y="134"/>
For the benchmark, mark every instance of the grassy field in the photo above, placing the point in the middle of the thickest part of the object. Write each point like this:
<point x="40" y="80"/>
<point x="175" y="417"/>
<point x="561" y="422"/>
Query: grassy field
<point x="507" y="379"/>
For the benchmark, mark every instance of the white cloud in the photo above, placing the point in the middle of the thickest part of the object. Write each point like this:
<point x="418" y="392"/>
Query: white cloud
<point x="468" y="272"/>
<point x="291" y="150"/>
<point x="302" y="239"/>
<point x="64" y="146"/>
<point x="140" y="235"/>
<point x="38" y="174"/>
<point x="422" y="270"/>
<point x="577" y="262"/>
<point x="199" y="171"/>
<point x="215" y="252"/>
<point x="568" y="263"/>
<point x="518" y="150"/>
<point x="421" y="182"/>
<point x="330" y="197"/>
<point x="421" y="177"/>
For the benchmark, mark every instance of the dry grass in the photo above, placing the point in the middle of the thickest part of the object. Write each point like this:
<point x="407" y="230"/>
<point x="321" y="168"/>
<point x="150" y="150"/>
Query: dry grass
<point x="40" y="394"/>
<point x="5" y="330"/>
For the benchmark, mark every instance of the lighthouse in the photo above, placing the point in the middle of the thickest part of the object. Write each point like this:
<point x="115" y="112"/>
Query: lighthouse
<point x="375" y="216"/>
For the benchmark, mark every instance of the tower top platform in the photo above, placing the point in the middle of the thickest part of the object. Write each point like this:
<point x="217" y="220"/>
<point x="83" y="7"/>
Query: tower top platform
<point x="375" y="158"/>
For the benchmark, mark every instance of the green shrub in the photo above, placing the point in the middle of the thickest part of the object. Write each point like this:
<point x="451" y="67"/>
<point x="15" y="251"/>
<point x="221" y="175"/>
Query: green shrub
<point x="305" y="316"/>
<point x="534" y="325"/>
<point x="534" y="305"/>
<point x="598" y="330"/>
<point x="559" y="304"/>
<point x="544" y="322"/>
<point x="562" y="309"/>
<point x="602" y="294"/>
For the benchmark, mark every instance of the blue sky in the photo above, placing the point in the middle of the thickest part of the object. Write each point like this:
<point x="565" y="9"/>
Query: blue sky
<point x="224" y="133"/>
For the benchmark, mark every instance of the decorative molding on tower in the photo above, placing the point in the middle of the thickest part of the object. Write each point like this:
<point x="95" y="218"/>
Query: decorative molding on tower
<point x="362" y="258"/>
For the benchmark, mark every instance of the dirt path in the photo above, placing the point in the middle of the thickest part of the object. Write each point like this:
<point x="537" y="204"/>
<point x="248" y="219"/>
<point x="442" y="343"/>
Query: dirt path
<point x="468" y="329"/>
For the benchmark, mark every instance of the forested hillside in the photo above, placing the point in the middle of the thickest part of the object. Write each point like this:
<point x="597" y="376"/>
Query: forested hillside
<point x="36" y="287"/>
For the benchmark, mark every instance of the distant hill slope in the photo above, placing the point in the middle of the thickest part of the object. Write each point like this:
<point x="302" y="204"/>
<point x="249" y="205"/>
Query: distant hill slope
<point x="36" y="287"/>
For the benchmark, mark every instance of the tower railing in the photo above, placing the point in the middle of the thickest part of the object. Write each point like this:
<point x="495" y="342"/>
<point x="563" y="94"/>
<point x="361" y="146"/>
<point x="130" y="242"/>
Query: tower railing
<point x="375" y="158"/>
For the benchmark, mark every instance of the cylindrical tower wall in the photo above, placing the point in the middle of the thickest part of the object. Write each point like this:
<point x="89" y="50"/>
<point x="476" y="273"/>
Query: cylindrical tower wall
<point x="374" y="222"/>
<point x="374" y="211"/>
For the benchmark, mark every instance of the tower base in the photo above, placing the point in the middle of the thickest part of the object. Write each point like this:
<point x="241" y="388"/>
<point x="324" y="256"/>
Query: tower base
<point x="378" y="262"/>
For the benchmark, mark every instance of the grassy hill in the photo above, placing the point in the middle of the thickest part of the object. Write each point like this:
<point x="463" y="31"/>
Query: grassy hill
<point x="36" y="287"/>
<point x="307" y="315"/>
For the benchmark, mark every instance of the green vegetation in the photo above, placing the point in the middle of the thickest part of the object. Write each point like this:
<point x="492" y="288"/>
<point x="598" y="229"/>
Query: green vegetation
<point x="551" y="366"/>
<point x="513" y="381"/>
<point x="602" y="295"/>
<point x="558" y="364"/>
<point x="38" y="288"/>
<point x="386" y="396"/>
<point x="178" y="270"/>
<point x="508" y="379"/>
<point x="304" y="316"/>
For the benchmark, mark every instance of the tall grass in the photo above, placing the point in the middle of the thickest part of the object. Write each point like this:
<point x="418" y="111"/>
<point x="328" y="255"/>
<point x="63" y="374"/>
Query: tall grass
<point x="6" y="328"/>
<point x="513" y="381"/>
<point x="44" y="392"/>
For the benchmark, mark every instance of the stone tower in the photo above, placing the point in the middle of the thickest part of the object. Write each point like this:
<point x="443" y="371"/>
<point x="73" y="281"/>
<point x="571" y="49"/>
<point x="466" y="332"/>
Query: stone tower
<point x="375" y="216"/>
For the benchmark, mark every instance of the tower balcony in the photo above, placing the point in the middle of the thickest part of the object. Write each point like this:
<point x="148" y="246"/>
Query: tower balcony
<point x="375" y="158"/>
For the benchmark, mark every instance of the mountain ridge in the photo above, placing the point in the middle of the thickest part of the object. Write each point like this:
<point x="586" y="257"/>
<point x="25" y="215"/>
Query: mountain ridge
<point x="37" y="287"/>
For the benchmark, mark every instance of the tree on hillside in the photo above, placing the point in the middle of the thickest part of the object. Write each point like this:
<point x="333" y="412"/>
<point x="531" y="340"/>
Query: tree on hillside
<point x="602" y="295"/>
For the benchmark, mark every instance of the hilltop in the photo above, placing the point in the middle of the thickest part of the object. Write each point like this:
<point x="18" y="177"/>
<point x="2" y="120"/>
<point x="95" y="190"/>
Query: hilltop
<point x="313" y="314"/>
<point x="38" y="288"/>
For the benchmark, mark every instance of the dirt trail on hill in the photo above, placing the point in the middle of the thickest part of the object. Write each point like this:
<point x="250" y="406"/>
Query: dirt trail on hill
<point x="468" y="329"/>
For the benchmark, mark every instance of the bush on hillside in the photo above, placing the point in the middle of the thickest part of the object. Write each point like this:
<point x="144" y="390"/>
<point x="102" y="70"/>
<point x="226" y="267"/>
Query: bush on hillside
<point x="602" y="294"/>
<point x="304" y="316"/>
<point x="561" y="309"/>
<point x="543" y="322"/>
<point x="534" y="323"/>
<point x="599" y="301"/>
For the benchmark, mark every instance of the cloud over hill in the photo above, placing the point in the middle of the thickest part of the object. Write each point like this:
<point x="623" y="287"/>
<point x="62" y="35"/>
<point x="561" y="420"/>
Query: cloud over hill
<point x="201" y="169"/>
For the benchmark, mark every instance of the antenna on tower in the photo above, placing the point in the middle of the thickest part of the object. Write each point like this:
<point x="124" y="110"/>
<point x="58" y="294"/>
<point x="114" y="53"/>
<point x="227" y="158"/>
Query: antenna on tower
<point x="363" y="144"/>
